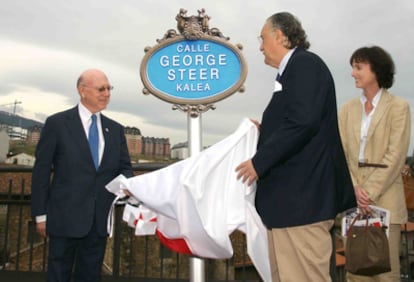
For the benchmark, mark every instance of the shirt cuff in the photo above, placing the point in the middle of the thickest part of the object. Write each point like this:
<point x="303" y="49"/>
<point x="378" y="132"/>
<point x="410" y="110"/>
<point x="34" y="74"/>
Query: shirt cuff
<point x="40" y="218"/>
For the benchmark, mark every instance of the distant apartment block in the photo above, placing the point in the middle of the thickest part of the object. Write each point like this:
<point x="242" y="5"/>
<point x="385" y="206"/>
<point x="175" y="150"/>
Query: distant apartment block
<point x="17" y="133"/>
<point x="138" y="145"/>
<point x="156" y="147"/>
<point x="134" y="140"/>
<point x="33" y="134"/>
<point x="180" y="151"/>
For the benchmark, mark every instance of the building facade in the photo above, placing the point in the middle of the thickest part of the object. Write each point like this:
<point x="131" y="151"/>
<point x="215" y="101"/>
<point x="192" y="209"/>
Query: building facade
<point x="180" y="151"/>
<point x="134" y="140"/>
<point x="33" y="134"/>
<point x="138" y="146"/>
<point x="20" y="159"/>
<point x="153" y="147"/>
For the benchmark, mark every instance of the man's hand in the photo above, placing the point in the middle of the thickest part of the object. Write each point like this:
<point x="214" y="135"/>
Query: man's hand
<point x="41" y="228"/>
<point x="246" y="172"/>
<point x="256" y="123"/>
<point x="126" y="192"/>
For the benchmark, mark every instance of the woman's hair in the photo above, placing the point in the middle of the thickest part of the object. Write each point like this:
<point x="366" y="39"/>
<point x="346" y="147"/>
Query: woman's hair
<point x="291" y="28"/>
<point x="380" y="62"/>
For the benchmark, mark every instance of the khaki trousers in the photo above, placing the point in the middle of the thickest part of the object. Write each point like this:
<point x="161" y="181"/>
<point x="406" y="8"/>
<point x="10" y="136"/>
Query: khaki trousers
<point x="301" y="253"/>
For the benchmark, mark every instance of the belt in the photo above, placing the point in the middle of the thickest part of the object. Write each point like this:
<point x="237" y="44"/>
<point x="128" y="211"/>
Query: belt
<point x="360" y="164"/>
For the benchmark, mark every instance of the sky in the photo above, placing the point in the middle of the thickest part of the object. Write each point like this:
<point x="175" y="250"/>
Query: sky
<point x="45" y="45"/>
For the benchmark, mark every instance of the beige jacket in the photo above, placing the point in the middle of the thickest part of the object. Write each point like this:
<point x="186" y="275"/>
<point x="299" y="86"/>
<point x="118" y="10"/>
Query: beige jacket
<point x="387" y="143"/>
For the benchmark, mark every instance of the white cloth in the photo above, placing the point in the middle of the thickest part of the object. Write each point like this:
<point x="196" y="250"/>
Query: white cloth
<point x="201" y="201"/>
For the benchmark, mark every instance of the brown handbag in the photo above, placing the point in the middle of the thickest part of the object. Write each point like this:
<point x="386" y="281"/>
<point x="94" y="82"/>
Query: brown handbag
<point x="367" y="250"/>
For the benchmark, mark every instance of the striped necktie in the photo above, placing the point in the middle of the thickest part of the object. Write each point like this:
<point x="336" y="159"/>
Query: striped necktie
<point x="94" y="141"/>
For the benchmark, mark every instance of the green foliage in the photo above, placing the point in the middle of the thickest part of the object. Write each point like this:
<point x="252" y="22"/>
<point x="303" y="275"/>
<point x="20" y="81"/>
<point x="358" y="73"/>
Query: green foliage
<point x="22" y="147"/>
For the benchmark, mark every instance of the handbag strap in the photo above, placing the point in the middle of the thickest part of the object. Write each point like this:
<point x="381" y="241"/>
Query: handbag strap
<point x="358" y="216"/>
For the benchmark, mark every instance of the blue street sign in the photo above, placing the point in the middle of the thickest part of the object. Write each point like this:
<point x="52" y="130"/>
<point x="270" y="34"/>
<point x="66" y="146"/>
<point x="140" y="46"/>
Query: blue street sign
<point x="193" y="71"/>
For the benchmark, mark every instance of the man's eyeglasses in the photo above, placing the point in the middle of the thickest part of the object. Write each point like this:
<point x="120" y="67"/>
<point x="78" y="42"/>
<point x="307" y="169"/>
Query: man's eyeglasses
<point x="100" y="89"/>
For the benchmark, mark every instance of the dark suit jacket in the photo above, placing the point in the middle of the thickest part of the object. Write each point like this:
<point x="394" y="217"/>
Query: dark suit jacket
<point x="303" y="176"/>
<point x="76" y="195"/>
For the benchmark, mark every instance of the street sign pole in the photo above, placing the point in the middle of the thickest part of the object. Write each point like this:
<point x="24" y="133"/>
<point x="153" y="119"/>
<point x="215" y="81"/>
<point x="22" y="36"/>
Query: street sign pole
<point x="197" y="265"/>
<point x="197" y="270"/>
<point x="193" y="68"/>
<point x="194" y="134"/>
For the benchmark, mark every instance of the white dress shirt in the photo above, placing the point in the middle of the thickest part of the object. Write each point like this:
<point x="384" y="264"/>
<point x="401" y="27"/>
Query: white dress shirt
<point x="86" y="118"/>
<point x="366" y="121"/>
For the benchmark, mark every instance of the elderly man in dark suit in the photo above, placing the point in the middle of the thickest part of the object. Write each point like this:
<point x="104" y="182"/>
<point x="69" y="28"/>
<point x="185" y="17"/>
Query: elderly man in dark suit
<point x="72" y="207"/>
<point x="300" y="167"/>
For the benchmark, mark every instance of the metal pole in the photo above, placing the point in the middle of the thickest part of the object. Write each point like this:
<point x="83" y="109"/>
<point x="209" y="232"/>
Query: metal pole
<point x="194" y="134"/>
<point x="197" y="267"/>
<point x="197" y="270"/>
